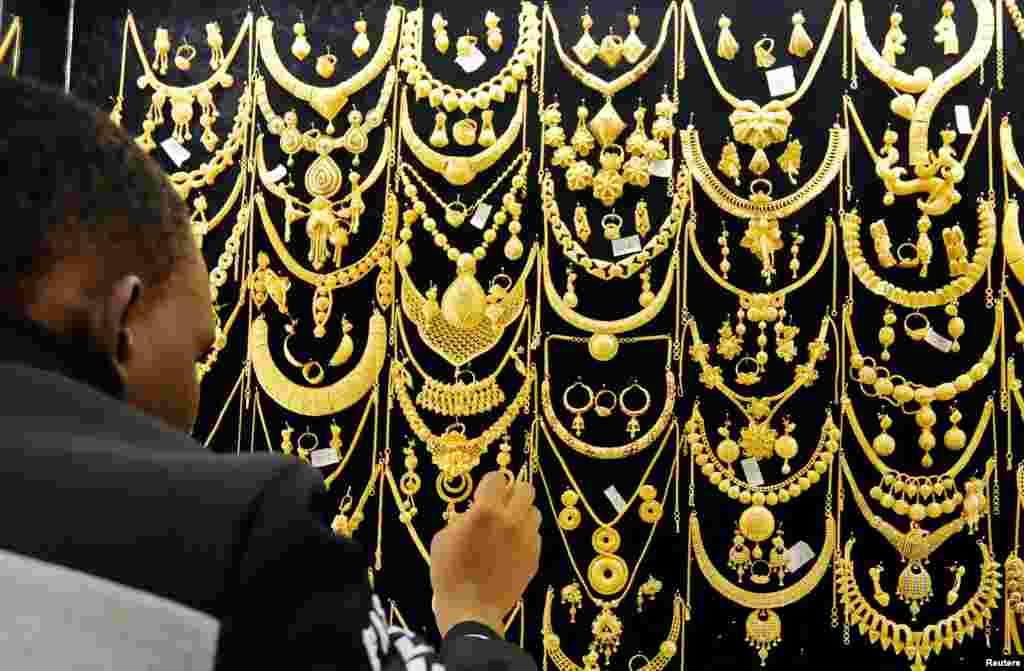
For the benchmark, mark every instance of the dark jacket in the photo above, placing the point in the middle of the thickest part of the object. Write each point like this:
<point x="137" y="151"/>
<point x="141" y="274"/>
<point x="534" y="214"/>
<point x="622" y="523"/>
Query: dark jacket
<point x="88" y="482"/>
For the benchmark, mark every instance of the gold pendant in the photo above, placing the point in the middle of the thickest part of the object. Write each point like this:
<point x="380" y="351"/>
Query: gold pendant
<point x="764" y="632"/>
<point x="464" y="302"/>
<point x="914" y="587"/>
<point x="607" y="125"/>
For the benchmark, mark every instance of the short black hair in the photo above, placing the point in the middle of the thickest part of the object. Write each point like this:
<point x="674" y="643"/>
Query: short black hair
<point x="79" y="186"/>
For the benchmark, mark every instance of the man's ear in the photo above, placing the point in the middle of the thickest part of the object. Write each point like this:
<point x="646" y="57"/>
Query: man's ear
<point x="123" y="298"/>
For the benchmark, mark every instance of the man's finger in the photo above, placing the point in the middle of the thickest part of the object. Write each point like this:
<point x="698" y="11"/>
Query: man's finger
<point x="523" y="494"/>
<point x="532" y="522"/>
<point x="492" y="492"/>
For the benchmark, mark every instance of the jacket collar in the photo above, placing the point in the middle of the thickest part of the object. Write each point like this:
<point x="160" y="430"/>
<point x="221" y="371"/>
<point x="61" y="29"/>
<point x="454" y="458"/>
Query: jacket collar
<point x="32" y="344"/>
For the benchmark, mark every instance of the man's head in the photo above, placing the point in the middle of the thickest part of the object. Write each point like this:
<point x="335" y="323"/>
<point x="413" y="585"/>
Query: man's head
<point x="97" y="247"/>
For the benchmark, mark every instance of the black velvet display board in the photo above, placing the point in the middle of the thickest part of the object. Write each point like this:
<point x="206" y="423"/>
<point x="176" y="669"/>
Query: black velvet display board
<point x="715" y="632"/>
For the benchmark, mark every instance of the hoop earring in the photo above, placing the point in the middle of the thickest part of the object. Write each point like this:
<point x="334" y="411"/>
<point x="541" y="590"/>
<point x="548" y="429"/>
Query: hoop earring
<point x="577" y="422"/>
<point x="633" y="425"/>
<point x="306" y="368"/>
<point x="605" y="410"/>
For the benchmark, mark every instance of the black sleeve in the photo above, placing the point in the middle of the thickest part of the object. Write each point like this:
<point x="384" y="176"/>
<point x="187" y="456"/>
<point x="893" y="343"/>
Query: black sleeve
<point x="302" y="596"/>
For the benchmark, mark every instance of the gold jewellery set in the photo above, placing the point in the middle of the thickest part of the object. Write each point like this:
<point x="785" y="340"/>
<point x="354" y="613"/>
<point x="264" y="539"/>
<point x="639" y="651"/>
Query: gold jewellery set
<point x="10" y="46"/>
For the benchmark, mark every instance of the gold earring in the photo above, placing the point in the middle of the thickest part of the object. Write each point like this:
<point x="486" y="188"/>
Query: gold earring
<point x="439" y="138"/>
<point x="794" y="250"/>
<point x="633" y="47"/>
<point x="578" y="411"/>
<point x="611" y="224"/>
<point x="325" y="64"/>
<point x="609" y="182"/>
<point x="648" y="590"/>
<point x="183" y="56"/>
<point x="650" y="509"/>
<point x="883" y="245"/>
<point x="785" y="340"/>
<point x="895" y="43"/>
<point x="763" y="55"/>
<point x="304" y="452"/>
<point x="728" y="450"/>
<point x="346" y="346"/>
<point x="636" y="142"/>
<point x="570" y="298"/>
<point x="786" y="446"/>
<point x="162" y="47"/>
<point x="945" y="30"/>
<point x="642" y="219"/>
<point x="494" y="38"/>
<point x="729" y="344"/>
<point x="723" y="243"/>
<point x="800" y="43"/>
<point x="611" y="48"/>
<point x="307" y="368"/>
<point x="956" y="325"/>
<point x="789" y="160"/>
<point x="633" y="425"/>
<point x="586" y="48"/>
<point x="286" y="440"/>
<point x="727" y="44"/>
<point x="884" y="444"/>
<point x="487" y="136"/>
<point x="362" y="43"/>
<point x="569" y="517"/>
<point x="646" y="295"/>
<point x="777" y="557"/>
<point x="729" y="164"/>
<point x="504" y="458"/>
<point x="573" y="596"/>
<point x="956" y="250"/>
<point x="215" y="39"/>
<point x="881" y="596"/>
<point x="300" y="45"/>
<point x="958" y="574"/>
<point x="954" y="439"/>
<point x="441" y="40"/>
<point x="341" y="525"/>
<point x="582" y="140"/>
<point x="604" y="410"/>
<point x="887" y="334"/>
<point x="580" y="222"/>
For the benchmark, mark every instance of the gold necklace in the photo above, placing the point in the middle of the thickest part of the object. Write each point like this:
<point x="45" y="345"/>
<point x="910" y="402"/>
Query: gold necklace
<point x="1014" y="568"/>
<point x="764" y="627"/>
<point x="325" y="283"/>
<point x="355" y="140"/>
<point x="182" y="97"/>
<point x="319" y="401"/>
<point x="917" y="645"/>
<point x="461" y="170"/>
<point x="1013" y="246"/>
<point x="608" y="573"/>
<point x="634" y="446"/>
<point x="763" y="234"/>
<point x="761" y="126"/>
<point x="328" y="235"/>
<point x="439" y="93"/>
<point x="600" y="268"/>
<point x="896" y="489"/>
<point x="328" y="100"/>
<point x="666" y="651"/>
<point x="12" y="39"/>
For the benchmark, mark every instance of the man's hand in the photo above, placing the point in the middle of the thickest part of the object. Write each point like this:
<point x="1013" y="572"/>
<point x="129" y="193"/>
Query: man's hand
<point x="481" y="563"/>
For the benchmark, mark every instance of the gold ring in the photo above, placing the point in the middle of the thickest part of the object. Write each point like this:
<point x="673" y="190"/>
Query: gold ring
<point x="760" y="181"/>
<point x="917" y="334"/>
<point x="748" y="377"/>
<point x="908" y="261"/>
<point x="307" y="373"/>
<point x="309" y="434"/>
<point x="604" y="410"/>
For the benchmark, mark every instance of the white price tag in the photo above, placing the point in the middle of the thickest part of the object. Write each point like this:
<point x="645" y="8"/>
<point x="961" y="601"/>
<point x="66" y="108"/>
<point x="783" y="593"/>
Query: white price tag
<point x="798" y="555"/>
<point x="325" y="457"/>
<point x="662" y="168"/>
<point x="473" y="61"/>
<point x="613" y="495"/>
<point x="963" y="119"/>
<point x="173" y="149"/>
<point x="482" y="215"/>
<point x="938" y="341"/>
<point x="781" y="81"/>
<point x="624" y="246"/>
<point x="276" y="175"/>
<point x="753" y="472"/>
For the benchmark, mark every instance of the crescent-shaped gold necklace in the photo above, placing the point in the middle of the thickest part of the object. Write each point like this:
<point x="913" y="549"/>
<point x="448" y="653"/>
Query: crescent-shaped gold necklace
<point x="611" y="451"/>
<point x="12" y="39"/>
<point x="764" y="628"/>
<point x="181" y="97"/>
<point x="319" y="401"/>
<point x="917" y="645"/>
<point x="461" y="170"/>
<point x="325" y="283"/>
<point x="494" y="90"/>
<point x="1013" y="246"/>
<point x="327" y="101"/>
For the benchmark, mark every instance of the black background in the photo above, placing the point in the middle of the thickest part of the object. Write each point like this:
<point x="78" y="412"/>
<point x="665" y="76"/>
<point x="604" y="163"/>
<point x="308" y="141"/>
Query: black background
<point x="716" y="631"/>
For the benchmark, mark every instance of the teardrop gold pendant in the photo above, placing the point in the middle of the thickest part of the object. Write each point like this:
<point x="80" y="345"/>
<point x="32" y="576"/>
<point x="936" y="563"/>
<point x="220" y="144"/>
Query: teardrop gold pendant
<point x="464" y="302"/>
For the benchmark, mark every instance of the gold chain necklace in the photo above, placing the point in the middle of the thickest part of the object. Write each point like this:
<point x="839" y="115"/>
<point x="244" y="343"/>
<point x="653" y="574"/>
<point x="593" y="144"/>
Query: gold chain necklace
<point x="461" y="170"/>
<point x="608" y="573"/>
<point x="328" y="100"/>
<point x="439" y="93"/>
<point x="763" y="625"/>
<point x="897" y="489"/>
<point x="917" y="646"/>
<point x="12" y="39"/>
<point x="634" y="446"/>
<point x="319" y="401"/>
<point x="182" y="97"/>
<point x="761" y="126"/>
<point x="325" y="283"/>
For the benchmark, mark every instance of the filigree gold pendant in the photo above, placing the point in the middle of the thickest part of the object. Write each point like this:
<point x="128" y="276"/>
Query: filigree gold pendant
<point x="607" y="125"/>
